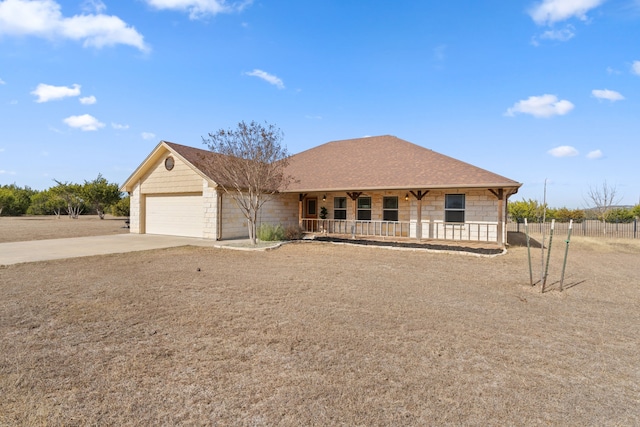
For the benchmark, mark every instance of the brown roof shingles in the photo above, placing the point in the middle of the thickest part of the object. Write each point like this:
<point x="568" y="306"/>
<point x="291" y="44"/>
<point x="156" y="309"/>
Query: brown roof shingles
<point x="381" y="162"/>
<point x="384" y="162"/>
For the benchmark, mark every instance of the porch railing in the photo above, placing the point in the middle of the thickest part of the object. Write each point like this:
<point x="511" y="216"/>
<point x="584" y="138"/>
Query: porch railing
<point x="468" y="231"/>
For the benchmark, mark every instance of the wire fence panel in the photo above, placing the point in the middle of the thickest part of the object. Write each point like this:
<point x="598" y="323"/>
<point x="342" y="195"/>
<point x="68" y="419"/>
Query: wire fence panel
<point x="588" y="228"/>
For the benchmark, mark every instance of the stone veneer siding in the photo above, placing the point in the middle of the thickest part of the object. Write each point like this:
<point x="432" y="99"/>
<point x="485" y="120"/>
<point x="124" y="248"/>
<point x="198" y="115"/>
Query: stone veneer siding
<point x="481" y="216"/>
<point x="280" y="210"/>
<point x="210" y="211"/>
<point x="135" y="210"/>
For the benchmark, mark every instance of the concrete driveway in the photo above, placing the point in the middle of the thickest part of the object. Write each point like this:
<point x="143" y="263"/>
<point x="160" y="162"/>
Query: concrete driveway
<point x="43" y="250"/>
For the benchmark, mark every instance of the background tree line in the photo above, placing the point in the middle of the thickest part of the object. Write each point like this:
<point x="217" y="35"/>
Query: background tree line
<point x="603" y="200"/>
<point x="534" y="211"/>
<point x="98" y="197"/>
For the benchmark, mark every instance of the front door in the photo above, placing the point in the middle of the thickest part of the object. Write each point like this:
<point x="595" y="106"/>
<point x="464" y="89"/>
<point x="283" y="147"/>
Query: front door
<point x="311" y="213"/>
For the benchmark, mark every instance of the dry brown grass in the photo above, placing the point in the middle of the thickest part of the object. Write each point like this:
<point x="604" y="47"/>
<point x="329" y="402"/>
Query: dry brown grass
<point x="320" y="334"/>
<point x="41" y="227"/>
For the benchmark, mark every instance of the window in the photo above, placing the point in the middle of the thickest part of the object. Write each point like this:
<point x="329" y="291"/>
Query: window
<point x="390" y="208"/>
<point x="339" y="208"/>
<point x="364" y="208"/>
<point x="454" y="208"/>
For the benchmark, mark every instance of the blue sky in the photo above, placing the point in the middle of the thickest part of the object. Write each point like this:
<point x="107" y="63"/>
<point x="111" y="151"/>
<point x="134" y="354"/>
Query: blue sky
<point x="532" y="90"/>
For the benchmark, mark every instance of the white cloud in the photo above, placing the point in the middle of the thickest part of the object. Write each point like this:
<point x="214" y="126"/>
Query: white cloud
<point x="200" y="8"/>
<point x="550" y="11"/>
<point x="563" y="151"/>
<point x="96" y="6"/>
<point x="43" y="18"/>
<point x="269" y="78"/>
<point x="84" y="122"/>
<point x="88" y="100"/>
<point x="1" y="150"/>
<point x="635" y="68"/>
<point x="541" y="106"/>
<point x="2" y="82"/>
<point x="47" y="93"/>
<point x="5" y="172"/>
<point x="148" y="135"/>
<point x="562" y="35"/>
<point x="118" y="126"/>
<point x="611" y="95"/>
<point x="612" y="71"/>
<point x="595" y="154"/>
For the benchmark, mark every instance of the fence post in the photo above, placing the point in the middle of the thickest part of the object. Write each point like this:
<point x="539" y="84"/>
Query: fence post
<point x="566" y="252"/>
<point x="546" y="270"/>
<point x="635" y="227"/>
<point x="526" y="232"/>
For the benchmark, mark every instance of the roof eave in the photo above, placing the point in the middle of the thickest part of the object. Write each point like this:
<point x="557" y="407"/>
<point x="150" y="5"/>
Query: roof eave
<point x="155" y="154"/>
<point x="407" y="187"/>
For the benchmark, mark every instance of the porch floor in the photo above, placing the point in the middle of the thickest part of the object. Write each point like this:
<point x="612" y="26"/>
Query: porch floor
<point x="485" y="248"/>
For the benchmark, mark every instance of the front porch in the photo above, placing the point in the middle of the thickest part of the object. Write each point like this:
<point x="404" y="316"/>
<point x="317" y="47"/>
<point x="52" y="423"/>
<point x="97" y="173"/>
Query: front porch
<point x="480" y="234"/>
<point x="455" y="215"/>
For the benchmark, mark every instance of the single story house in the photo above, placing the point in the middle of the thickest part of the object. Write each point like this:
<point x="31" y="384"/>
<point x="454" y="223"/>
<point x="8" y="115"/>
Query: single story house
<point x="380" y="186"/>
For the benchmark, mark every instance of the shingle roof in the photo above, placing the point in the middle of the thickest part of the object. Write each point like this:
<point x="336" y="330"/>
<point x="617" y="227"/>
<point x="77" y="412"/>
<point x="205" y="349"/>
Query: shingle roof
<point x="373" y="163"/>
<point x="384" y="162"/>
<point x="197" y="157"/>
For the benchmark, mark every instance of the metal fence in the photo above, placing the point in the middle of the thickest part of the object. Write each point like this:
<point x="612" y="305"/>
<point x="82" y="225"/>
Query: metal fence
<point x="588" y="228"/>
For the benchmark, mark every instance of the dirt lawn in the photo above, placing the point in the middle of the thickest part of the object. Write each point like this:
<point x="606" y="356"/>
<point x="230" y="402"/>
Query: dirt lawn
<point x="322" y="334"/>
<point x="41" y="227"/>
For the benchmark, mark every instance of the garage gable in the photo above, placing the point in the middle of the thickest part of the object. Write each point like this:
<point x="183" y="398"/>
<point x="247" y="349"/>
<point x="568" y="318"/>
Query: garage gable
<point x="170" y="174"/>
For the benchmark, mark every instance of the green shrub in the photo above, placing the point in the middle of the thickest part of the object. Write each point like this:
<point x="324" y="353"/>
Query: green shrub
<point x="121" y="207"/>
<point x="564" y="215"/>
<point x="620" y="215"/>
<point x="270" y="233"/>
<point x="293" y="232"/>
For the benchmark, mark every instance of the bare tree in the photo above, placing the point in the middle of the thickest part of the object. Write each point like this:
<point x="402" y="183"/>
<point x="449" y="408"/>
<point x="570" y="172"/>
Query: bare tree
<point x="602" y="198"/>
<point x="250" y="166"/>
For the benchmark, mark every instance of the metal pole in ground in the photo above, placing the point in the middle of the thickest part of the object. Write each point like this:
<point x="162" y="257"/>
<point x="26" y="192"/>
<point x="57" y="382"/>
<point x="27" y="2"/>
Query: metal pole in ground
<point x="566" y="252"/>
<point x="546" y="269"/>
<point x="526" y="232"/>
<point x="543" y="226"/>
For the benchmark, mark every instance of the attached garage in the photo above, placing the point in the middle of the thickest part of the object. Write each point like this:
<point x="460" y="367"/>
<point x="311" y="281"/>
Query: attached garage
<point x="175" y="215"/>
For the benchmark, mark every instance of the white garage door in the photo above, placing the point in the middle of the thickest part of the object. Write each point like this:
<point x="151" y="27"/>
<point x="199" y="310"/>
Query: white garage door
<point x="175" y="215"/>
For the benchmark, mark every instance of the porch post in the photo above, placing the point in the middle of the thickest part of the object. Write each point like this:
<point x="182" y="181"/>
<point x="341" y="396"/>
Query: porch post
<point x="419" y="219"/>
<point x="354" y="196"/>
<point x="419" y="197"/>
<point x="500" y="195"/>
<point x="300" y="199"/>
